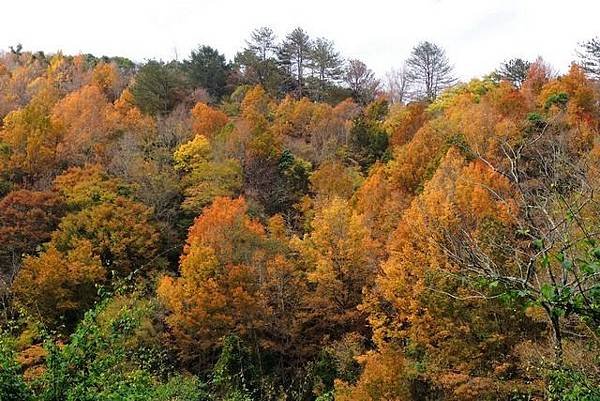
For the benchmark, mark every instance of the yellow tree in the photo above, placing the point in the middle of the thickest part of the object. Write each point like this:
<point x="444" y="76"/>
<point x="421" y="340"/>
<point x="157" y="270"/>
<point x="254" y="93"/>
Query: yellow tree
<point x="59" y="285"/>
<point x="32" y="138"/>
<point x="82" y="187"/>
<point x="340" y="260"/>
<point x="204" y="177"/>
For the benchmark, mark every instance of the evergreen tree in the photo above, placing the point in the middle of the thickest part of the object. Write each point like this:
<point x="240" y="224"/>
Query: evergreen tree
<point x="207" y="68"/>
<point x="430" y="70"/>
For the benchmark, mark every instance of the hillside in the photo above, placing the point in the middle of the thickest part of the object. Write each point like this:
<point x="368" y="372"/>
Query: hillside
<point x="285" y="226"/>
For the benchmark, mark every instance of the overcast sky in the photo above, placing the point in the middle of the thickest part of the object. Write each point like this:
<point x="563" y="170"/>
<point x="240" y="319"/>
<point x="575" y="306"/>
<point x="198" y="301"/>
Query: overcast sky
<point x="477" y="34"/>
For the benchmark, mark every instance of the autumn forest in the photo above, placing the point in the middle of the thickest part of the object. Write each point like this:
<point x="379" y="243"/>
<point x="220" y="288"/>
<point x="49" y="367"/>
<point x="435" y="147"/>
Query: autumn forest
<point x="287" y="225"/>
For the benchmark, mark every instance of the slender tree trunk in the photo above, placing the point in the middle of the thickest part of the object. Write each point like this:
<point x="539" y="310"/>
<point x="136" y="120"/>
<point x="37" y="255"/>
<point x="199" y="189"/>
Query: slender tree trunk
<point x="556" y="333"/>
<point x="557" y="338"/>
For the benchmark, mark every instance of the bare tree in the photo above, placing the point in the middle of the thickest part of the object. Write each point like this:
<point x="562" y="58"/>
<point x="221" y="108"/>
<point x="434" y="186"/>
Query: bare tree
<point x="429" y="70"/>
<point x="362" y="81"/>
<point x="397" y="84"/>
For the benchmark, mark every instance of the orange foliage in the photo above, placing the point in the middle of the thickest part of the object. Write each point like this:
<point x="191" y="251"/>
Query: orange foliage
<point x="120" y="233"/>
<point x="88" y="122"/>
<point x="27" y="218"/>
<point x="207" y="121"/>
<point x="581" y="108"/>
<point x="385" y="377"/>
<point x="131" y="118"/>
<point x="107" y="78"/>
<point x="538" y="75"/>
<point x="59" y="284"/>
<point x="333" y="179"/>
<point x="341" y="261"/>
<point x="461" y="196"/>
<point x="404" y="121"/>
<point x="223" y="272"/>
<point x="227" y="229"/>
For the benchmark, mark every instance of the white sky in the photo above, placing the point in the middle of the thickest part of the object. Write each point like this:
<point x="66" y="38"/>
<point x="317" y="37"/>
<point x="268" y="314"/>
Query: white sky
<point x="477" y="34"/>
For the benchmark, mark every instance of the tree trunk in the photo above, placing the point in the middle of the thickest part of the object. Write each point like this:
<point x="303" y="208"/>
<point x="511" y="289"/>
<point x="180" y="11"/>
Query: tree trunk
<point x="557" y="338"/>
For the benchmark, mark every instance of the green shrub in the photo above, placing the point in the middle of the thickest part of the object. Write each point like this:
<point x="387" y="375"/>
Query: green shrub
<point x="571" y="385"/>
<point x="12" y="386"/>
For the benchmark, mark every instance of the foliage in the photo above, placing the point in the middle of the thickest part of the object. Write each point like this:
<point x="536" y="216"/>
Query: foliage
<point x="205" y="178"/>
<point x="121" y="234"/>
<point x="362" y="82"/>
<point x="368" y="140"/>
<point x="31" y="138"/>
<point x="218" y="289"/>
<point x="83" y="187"/>
<point x="96" y="362"/>
<point x="207" y="69"/>
<point x="340" y="259"/>
<point x="589" y="55"/>
<point x="429" y="68"/>
<point x="27" y="219"/>
<point x="514" y="70"/>
<point x="207" y="121"/>
<point x="281" y="227"/>
<point x="12" y="385"/>
<point x="567" y="384"/>
<point x="157" y="87"/>
<point x="59" y="286"/>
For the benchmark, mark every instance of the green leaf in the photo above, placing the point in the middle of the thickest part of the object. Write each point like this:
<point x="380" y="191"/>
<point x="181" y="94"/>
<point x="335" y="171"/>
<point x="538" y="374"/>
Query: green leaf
<point x="545" y="261"/>
<point x="590" y="268"/>
<point x="548" y="291"/>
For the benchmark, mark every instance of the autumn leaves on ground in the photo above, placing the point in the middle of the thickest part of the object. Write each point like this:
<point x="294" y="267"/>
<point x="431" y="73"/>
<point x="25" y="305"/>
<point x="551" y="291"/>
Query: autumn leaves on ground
<point x="287" y="227"/>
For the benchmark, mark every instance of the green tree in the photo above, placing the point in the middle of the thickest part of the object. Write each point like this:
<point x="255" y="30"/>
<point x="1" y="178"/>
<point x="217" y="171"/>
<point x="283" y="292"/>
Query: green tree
<point x="368" y="139"/>
<point x="205" y="178"/>
<point x="207" y="68"/>
<point x="256" y="63"/>
<point x="589" y="56"/>
<point x="111" y="357"/>
<point x="514" y="71"/>
<point x="294" y="54"/>
<point x="158" y="87"/>
<point x="429" y="70"/>
<point x="326" y="66"/>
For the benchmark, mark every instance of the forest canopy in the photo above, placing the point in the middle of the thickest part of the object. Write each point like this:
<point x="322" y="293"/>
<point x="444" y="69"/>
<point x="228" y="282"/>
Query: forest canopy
<point x="286" y="225"/>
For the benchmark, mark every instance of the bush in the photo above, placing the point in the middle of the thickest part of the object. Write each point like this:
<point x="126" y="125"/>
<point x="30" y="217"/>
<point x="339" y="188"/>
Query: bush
<point x="12" y="386"/>
<point x="570" y="385"/>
